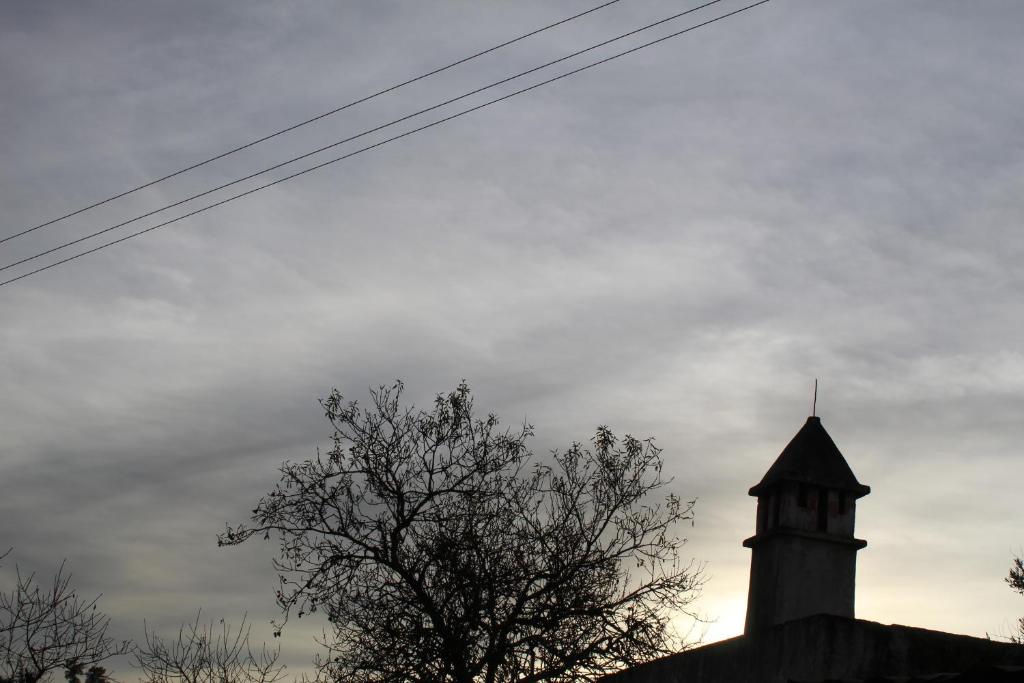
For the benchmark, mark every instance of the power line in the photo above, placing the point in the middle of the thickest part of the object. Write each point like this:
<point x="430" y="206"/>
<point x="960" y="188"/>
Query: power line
<point x="386" y="141"/>
<point x="354" y="137"/>
<point x="308" y="121"/>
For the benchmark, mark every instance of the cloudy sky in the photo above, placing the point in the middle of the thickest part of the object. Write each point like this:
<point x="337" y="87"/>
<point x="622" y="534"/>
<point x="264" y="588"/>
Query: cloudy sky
<point x="675" y="244"/>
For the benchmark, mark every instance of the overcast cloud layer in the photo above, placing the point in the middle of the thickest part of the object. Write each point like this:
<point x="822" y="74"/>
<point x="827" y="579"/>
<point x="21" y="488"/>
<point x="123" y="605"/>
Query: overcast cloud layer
<point x="675" y="244"/>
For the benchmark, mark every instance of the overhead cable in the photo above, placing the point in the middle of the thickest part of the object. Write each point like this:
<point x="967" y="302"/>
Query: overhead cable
<point x="308" y="121"/>
<point x="385" y="141"/>
<point x="355" y="137"/>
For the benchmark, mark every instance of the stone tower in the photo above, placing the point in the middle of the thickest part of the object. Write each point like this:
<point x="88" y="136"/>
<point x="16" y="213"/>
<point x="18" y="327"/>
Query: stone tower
<point x="804" y="555"/>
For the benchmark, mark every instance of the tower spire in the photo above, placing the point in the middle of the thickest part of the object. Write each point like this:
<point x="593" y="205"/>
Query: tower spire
<point x="804" y="555"/>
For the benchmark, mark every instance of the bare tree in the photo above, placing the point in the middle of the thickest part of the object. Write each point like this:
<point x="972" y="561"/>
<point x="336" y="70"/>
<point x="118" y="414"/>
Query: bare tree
<point x="45" y="629"/>
<point x="204" y="653"/>
<point x="441" y="551"/>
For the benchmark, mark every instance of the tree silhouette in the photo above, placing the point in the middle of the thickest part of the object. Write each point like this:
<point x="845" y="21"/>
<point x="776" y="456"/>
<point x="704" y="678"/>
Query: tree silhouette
<point x="95" y="674"/>
<point x="202" y="653"/>
<point x="51" y="628"/>
<point x="1016" y="581"/>
<point x="441" y="550"/>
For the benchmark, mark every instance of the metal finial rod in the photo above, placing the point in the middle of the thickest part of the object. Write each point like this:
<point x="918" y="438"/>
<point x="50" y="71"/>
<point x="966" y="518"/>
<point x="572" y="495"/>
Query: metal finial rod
<point x="814" y="404"/>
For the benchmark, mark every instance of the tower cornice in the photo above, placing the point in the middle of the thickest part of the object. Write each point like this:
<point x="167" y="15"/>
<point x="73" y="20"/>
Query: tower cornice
<point x="756" y="539"/>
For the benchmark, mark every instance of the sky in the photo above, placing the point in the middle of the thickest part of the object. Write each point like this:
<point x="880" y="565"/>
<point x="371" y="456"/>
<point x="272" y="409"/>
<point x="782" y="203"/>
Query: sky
<point x="675" y="244"/>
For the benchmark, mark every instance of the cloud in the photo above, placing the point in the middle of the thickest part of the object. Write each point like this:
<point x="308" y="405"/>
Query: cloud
<point x="675" y="244"/>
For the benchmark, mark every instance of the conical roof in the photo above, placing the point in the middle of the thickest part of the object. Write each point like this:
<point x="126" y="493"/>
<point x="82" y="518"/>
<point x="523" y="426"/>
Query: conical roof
<point x="812" y="458"/>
